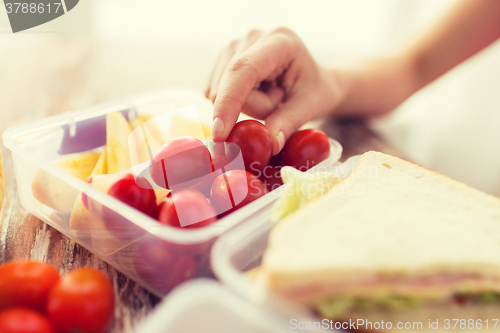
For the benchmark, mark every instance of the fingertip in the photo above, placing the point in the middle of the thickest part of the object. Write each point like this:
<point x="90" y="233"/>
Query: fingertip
<point x="278" y="143"/>
<point x="217" y="129"/>
<point x="286" y="119"/>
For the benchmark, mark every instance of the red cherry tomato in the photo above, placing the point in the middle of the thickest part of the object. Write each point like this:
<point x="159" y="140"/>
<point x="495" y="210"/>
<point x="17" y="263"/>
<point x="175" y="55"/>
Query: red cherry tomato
<point x="82" y="301"/>
<point x="240" y="189"/>
<point x="195" y="210"/>
<point x="179" y="162"/>
<point x="255" y="143"/>
<point x="21" y="320"/>
<point x="141" y="197"/>
<point x="26" y="284"/>
<point x="224" y="156"/>
<point x="271" y="177"/>
<point x="305" y="149"/>
<point x="162" y="268"/>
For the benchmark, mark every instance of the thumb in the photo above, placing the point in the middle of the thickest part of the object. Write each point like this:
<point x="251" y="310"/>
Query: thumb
<point x="289" y="117"/>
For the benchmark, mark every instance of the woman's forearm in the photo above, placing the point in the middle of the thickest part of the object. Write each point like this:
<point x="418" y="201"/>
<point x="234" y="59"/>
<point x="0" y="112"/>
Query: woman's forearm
<point x="374" y="86"/>
<point x="379" y="85"/>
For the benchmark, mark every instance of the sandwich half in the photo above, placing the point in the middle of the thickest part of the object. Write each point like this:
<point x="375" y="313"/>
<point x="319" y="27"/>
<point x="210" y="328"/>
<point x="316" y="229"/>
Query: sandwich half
<point x="393" y="242"/>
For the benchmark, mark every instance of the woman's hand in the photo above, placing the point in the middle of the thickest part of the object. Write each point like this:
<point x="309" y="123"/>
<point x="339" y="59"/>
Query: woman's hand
<point x="270" y="76"/>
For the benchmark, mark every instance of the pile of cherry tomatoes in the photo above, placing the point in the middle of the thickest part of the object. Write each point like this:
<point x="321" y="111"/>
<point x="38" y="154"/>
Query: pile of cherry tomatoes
<point x="207" y="182"/>
<point x="35" y="299"/>
<point x="202" y="192"/>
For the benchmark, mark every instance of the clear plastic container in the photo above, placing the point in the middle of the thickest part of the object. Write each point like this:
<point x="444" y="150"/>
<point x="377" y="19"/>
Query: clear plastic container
<point x="206" y="306"/>
<point x="240" y="250"/>
<point x="155" y="255"/>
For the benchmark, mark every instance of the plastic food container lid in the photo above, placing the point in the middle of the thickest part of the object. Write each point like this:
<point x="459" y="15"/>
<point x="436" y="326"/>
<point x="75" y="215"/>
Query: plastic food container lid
<point x="206" y="306"/>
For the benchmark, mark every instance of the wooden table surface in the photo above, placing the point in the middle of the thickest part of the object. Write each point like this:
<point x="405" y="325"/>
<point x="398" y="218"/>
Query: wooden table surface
<point x="45" y="74"/>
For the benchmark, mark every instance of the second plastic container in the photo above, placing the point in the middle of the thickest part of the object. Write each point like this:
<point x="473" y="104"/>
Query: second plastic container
<point x="241" y="249"/>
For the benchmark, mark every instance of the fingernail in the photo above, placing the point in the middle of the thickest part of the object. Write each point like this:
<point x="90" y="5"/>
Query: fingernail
<point x="217" y="128"/>
<point x="281" y="142"/>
